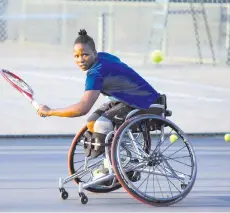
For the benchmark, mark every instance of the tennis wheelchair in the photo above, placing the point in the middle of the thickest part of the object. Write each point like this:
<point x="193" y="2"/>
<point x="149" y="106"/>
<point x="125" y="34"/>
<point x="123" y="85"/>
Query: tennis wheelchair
<point x="148" y="155"/>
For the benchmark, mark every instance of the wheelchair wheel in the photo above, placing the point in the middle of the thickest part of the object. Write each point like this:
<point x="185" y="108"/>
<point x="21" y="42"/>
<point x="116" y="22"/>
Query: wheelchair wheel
<point x="76" y="164"/>
<point x="164" y="172"/>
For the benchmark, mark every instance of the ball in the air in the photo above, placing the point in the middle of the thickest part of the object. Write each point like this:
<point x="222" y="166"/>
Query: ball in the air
<point x="227" y="137"/>
<point x="173" y="138"/>
<point x="157" y="56"/>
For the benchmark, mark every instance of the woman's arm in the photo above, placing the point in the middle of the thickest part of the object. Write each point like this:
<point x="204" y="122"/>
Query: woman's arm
<point x="75" y="110"/>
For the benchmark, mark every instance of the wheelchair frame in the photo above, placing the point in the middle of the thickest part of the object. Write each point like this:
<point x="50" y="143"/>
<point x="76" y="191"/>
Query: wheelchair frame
<point x="111" y="174"/>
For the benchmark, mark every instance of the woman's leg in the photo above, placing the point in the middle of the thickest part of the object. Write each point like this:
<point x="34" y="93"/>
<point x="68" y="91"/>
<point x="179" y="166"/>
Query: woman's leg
<point x="91" y="121"/>
<point x="105" y="124"/>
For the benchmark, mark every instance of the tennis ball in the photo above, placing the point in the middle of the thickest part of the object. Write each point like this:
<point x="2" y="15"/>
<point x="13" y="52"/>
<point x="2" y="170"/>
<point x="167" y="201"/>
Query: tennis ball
<point x="173" y="138"/>
<point x="157" y="56"/>
<point x="97" y="172"/>
<point x="227" y="137"/>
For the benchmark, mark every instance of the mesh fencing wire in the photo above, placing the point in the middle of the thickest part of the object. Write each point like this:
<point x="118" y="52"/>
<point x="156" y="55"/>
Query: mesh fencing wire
<point x="3" y="22"/>
<point x="36" y="40"/>
<point x="197" y="33"/>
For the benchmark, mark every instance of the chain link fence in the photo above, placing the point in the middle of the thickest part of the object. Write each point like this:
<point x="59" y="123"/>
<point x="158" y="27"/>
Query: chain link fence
<point x="122" y="27"/>
<point x="3" y="22"/>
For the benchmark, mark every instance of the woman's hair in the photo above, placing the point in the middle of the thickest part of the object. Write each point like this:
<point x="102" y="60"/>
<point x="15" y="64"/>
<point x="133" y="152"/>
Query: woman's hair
<point x="83" y="38"/>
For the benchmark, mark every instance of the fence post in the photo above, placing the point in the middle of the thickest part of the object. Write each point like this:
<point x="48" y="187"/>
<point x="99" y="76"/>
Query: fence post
<point x="110" y="27"/>
<point x="101" y="32"/>
<point x="228" y="35"/>
<point x="63" y="24"/>
<point x="21" y="33"/>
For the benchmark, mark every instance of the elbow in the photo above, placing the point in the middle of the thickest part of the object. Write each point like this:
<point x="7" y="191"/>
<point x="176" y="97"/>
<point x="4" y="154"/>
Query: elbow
<point x="78" y="113"/>
<point x="84" y="111"/>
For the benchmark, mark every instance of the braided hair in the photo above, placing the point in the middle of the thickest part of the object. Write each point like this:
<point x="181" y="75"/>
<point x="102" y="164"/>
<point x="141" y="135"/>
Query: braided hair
<point x="83" y="38"/>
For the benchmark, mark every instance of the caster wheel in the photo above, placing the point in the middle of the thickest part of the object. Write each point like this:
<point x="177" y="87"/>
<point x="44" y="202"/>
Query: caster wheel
<point x="64" y="195"/>
<point x="84" y="198"/>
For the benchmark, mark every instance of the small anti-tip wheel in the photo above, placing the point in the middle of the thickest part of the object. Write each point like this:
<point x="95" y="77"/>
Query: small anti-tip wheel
<point x="64" y="195"/>
<point x="84" y="198"/>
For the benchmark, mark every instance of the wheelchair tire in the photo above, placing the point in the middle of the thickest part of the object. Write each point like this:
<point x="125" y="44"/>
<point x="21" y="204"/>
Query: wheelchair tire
<point x="152" y="165"/>
<point x="72" y="169"/>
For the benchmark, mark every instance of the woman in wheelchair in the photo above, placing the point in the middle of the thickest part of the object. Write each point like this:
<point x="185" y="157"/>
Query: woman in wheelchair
<point x="106" y="74"/>
<point x="129" y="136"/>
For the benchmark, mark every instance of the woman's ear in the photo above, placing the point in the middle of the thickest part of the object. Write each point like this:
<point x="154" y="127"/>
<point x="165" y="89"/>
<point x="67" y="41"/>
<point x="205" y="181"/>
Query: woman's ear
<point x="95" y="53"/>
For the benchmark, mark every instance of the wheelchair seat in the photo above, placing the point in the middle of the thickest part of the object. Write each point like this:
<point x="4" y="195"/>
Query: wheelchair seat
<point x="158" y="108"/>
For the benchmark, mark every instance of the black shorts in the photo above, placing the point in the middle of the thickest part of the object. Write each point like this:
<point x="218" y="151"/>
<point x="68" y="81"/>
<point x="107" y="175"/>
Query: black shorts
<point x="117" y="111"/>
<point x="114" y="111"/>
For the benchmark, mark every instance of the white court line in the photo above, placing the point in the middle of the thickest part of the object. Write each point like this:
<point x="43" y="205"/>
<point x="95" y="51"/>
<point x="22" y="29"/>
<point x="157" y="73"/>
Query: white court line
<point x="197" y="98"/>
<point x="197" y="152"/>
<point x="154" y="79"/>
<point x="184" y="83"/>
<point x="25" y="148"/>
<point x="57" y="77"/>
<point x="35" y="148"/>
<point x="177" y="95"/>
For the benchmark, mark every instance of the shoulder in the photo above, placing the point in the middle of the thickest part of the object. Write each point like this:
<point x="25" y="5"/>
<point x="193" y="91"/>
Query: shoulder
<point x="103" y="64"/>
<point x="94" y="72"/>
<point x="95" y="69"/>
<point x="107" y="57"/>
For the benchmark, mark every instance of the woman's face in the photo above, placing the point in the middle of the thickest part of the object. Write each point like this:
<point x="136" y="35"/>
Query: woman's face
<point x="84" y="56"/>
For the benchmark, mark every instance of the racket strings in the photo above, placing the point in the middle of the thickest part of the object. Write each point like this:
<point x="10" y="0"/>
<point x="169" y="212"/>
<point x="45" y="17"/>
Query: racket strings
<point x="20" y="83"/>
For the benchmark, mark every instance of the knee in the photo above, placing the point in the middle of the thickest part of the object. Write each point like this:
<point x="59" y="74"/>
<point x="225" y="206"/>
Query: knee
<point x="103" y="125"/>
<point x="91" y="121"/>
<point x="90" y="126"/>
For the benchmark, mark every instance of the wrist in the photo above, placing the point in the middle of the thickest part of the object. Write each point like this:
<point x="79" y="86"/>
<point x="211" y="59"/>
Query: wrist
<point x="50" y="112"/>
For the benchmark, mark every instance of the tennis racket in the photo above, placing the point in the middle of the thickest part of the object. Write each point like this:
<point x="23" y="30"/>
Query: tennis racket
<point x="20" y="85"/>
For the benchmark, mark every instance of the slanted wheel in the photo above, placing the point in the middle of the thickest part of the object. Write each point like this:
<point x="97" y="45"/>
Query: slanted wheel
<point x="76" y="163"/>
<point x="163" y="169"/>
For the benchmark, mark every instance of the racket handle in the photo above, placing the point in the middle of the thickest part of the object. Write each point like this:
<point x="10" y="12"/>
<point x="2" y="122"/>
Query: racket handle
<point x="35" y="104"/>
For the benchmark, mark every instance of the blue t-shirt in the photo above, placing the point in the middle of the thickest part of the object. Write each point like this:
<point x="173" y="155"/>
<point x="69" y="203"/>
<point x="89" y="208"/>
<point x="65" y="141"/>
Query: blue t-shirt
<point x="114" y="78"/>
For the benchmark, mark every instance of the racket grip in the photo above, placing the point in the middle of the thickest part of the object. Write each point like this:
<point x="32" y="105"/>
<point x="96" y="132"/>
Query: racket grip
<point x="35" y="104"/>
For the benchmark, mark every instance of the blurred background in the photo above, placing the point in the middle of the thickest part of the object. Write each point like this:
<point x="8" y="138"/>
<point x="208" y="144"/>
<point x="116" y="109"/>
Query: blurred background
<point x="36" y="40"/>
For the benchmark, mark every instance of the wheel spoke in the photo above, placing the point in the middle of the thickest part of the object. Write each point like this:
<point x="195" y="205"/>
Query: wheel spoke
<point x="78" y="164"/>
<point x="178" y="161"/>
<point x="170" y="181"/>
<point x="165" y="167"/>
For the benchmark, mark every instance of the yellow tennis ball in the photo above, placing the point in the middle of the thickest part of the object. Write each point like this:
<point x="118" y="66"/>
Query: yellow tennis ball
<point x="157" y="56"/>
<point x="97" y="172"/>
<point x="227" y="137"/>
<point x="173" y="138"/>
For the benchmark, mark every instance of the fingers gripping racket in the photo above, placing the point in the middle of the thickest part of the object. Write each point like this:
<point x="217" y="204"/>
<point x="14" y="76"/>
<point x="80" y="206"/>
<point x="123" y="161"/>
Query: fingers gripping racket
<point x="20" y="85"/>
